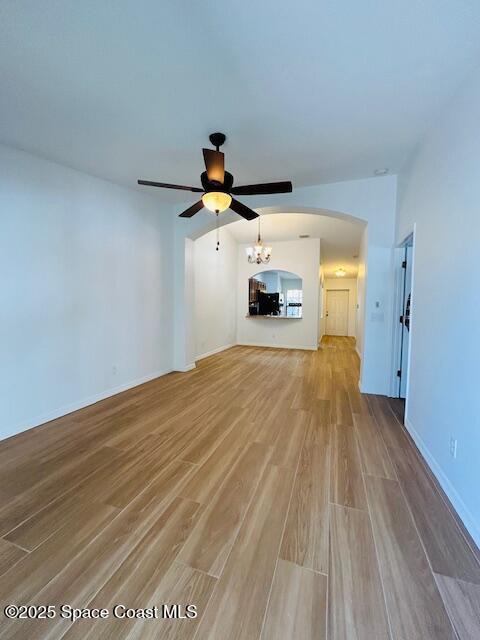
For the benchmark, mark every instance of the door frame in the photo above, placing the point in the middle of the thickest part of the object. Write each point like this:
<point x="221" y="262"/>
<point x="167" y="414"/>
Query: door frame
<point x="326" y="307"/>
<point x="399" y="256"/>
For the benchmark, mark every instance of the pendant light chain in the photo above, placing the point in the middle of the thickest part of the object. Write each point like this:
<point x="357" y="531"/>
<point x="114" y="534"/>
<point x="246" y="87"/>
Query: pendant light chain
<point x="218" y="233"/>
<point x="259" y="254"/>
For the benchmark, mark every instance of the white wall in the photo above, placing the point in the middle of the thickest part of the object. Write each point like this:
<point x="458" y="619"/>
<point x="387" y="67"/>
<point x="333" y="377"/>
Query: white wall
<point x="441" y="196"/>
<point x="301" y="257"/>
<point x="215" y="282"/>
<point x="271" y="280"/>
<point x="86" y="290"/>
<point x="321" y="305"/>
<point x="351" y="285"/>
<point x="287" y="284"/>
<point x="361" y="295"/>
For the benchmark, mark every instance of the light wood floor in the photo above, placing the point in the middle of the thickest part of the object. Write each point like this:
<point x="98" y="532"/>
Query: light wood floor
<point x="261" y="487"/>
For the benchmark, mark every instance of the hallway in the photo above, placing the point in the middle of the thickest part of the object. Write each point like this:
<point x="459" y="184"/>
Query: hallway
<point x="261" y="487"/>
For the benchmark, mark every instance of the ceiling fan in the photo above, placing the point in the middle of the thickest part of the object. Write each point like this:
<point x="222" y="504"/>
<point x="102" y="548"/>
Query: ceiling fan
<point x="218" y="185"/>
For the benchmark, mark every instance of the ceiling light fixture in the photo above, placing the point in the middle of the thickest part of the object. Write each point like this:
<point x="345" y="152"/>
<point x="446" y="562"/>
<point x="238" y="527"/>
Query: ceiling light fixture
<point x="216" y="201"/>
<point x="258" y="254"/>
<point x="340" y="272"/>
<point x="217" y="185"/>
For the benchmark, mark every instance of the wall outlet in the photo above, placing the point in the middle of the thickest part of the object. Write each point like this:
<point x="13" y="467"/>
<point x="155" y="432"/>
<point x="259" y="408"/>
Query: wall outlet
<point x="453" y="448"/>
<point x="114" y="369"/>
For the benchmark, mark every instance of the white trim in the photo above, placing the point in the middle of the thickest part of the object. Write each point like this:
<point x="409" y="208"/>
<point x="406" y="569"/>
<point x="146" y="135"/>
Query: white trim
<point x="359" y="384"/>
<point x="278" y="346"/>
<point x="186" y="368"/>
<point x="398" y="277"/>
<point x="457" y="503"/>
<point x="217" y="350"/>
<point x="398" y="311"/>
<point x="80" y="404"/>
<point x="412" y="321"/>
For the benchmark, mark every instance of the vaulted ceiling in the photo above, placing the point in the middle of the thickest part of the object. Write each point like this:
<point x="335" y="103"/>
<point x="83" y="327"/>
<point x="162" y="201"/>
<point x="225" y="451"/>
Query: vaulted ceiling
<point x="312" y="90"/>
<point x="340" y="239"/>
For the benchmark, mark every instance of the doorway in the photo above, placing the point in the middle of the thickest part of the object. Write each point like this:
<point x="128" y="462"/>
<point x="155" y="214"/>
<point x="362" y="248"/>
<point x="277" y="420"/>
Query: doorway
<point x="337" y="312"/>
<point x="405" y="319"/>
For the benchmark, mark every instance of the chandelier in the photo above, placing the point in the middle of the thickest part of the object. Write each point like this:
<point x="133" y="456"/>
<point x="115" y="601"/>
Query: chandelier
<point x="258" y="253"/>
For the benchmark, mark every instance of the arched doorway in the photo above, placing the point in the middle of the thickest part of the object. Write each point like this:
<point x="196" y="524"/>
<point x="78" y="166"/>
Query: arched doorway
<point x="208" y="222"/>
<point x="367" y="202"/>
<point x="185" y="326"/>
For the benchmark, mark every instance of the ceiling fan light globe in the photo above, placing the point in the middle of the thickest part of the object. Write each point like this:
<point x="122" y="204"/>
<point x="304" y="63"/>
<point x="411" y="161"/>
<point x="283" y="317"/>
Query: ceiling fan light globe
<point x="216" y="201"/>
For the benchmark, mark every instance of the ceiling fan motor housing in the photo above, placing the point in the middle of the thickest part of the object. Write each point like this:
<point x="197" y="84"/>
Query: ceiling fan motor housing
<point x="213" y="185"/>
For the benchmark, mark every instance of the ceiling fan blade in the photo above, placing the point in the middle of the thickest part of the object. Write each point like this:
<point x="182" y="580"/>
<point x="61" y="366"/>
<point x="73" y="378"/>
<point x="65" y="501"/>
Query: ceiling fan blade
<point x="166" y="185"/>
<point x="264" y="188"/>
<point x="242" y="210"/>
<point x="215" y="165"/>
<point x="191" y="211"/>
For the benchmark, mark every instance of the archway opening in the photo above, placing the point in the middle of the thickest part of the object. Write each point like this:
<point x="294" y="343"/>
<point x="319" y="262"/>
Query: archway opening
<point x="312" y="243"/>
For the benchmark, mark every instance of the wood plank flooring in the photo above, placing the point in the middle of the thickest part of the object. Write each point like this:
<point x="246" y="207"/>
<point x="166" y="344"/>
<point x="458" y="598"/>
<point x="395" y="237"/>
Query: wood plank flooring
<point x="261" y="487"/>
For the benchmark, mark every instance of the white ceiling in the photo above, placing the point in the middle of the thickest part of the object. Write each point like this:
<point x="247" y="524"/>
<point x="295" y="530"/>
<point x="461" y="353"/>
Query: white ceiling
<point x="312" y="90"/>
<point x="340" y="240"/>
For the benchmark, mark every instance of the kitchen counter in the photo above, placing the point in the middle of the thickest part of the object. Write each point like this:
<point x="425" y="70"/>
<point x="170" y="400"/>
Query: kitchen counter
<point x="275" y="317"/>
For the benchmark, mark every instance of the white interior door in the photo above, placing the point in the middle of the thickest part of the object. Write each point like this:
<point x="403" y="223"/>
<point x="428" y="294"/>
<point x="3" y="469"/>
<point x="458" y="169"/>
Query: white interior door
<point x="337" y="312"/>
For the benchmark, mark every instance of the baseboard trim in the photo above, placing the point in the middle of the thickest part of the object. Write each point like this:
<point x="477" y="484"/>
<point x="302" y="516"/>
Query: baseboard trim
<point x="186" y="368"/>
<point x="277" y="346"/>
<point x="81" y="404"/>
<point x="214" y="351"/>
<point x="450" y="491"/>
